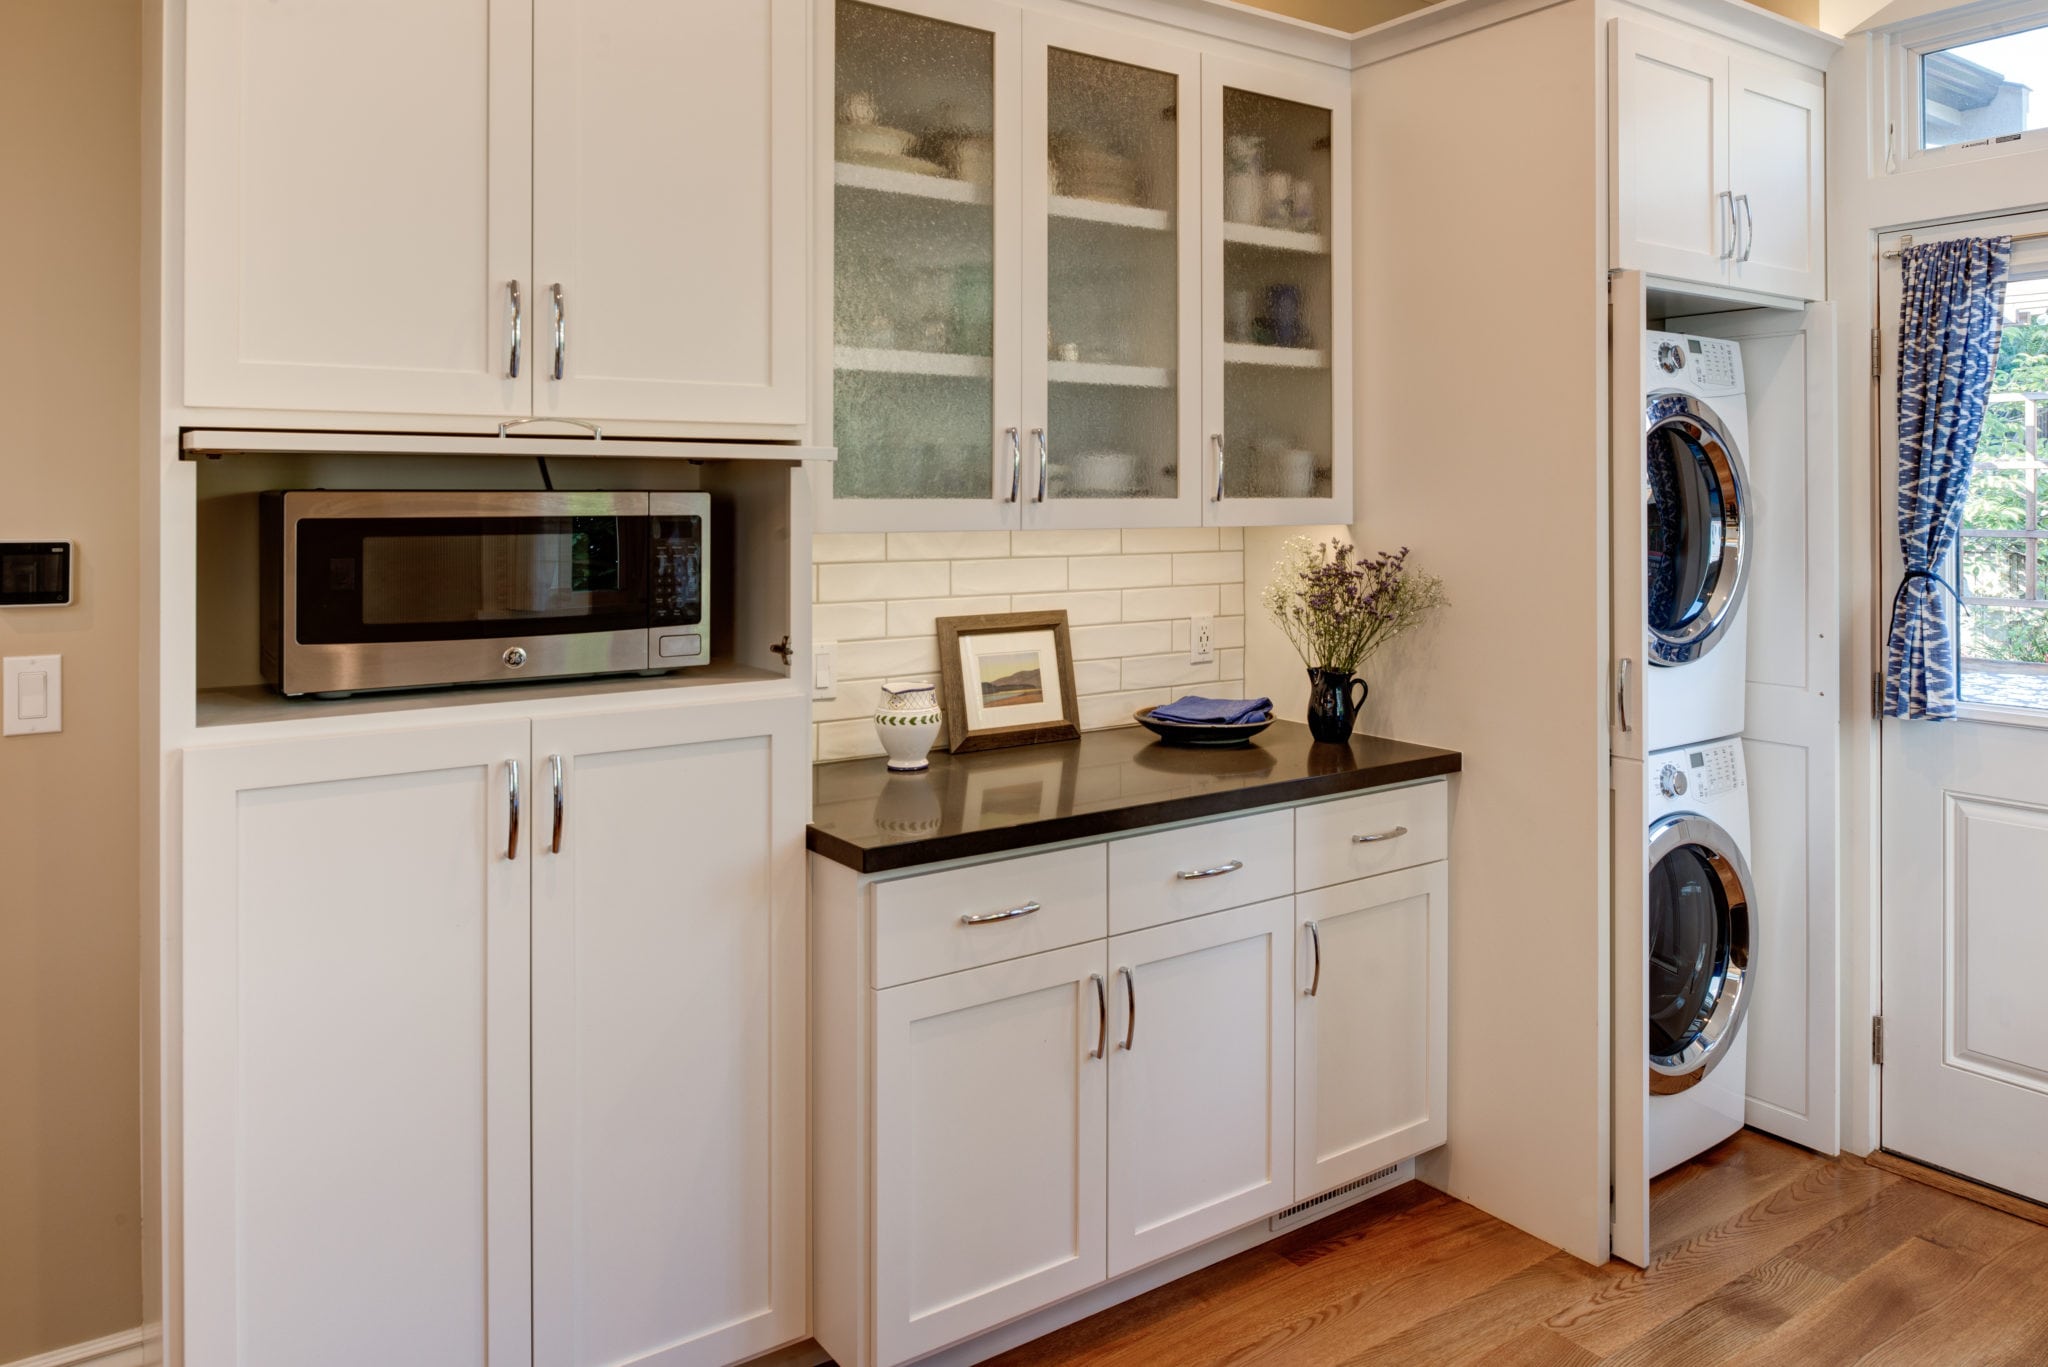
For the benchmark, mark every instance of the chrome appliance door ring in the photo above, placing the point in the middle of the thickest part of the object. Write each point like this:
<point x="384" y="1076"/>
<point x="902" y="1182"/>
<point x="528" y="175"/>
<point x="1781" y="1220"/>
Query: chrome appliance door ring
<point x="1698" y="623"/>
<point x="1720" y="1014"/>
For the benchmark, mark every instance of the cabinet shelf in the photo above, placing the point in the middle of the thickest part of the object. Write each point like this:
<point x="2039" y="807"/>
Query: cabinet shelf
<point x="1292" y="358"/>
<point x="1276" y="239"/>
<point x="1117" y="215"/>
<point x="882" y="181"/>
<point x="876" y="359"/>
<point x="1102" y="373"/>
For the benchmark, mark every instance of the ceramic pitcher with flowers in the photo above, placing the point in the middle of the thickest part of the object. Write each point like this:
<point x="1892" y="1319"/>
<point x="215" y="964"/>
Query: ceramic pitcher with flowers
<point x="1337" y="611"/>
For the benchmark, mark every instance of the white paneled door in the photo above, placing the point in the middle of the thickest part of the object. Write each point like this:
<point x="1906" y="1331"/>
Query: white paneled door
<point x="1776" y="163"/>
<point x="670" y="220"/>
<point x="357" y="211"/>
<point x="355" y="953"/>
<point x="1965" y="834"/>
<point x="1201" y="1115"/>
<point x="668" y="1086"/>
<point x="990" y="1088"/>
<point x="1672" y="211"/>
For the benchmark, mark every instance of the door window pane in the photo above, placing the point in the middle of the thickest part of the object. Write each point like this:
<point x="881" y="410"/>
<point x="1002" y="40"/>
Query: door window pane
<point x="1999" y="558"/>
<point x="1989" y="89"/>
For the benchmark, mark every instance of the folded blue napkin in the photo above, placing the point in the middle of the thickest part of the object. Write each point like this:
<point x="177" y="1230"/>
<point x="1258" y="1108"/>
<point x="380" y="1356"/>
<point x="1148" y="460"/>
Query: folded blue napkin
<point x="1195" y="711"/>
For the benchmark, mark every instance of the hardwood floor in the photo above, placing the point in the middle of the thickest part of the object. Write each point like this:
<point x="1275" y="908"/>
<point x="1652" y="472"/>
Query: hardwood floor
<point x="1767" y="1256"/>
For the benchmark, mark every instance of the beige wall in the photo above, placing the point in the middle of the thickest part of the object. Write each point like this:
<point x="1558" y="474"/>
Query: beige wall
<point x="70" y="204"/>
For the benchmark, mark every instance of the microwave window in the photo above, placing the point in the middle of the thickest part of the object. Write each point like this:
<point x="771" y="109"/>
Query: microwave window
<point x="415" y="579"/>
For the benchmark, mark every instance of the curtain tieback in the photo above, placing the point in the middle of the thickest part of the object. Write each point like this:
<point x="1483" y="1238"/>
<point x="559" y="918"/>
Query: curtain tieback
<point x="1899" y="595"/>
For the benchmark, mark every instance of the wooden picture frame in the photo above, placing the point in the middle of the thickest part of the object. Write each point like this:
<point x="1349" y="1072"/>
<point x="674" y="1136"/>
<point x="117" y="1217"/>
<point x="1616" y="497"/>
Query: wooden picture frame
<point x="1034" y="649"/>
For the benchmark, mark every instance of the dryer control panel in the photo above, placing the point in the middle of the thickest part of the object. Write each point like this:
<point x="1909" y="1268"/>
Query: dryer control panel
<point x="1698" y="772"/>
<point x="1701" y="365"/>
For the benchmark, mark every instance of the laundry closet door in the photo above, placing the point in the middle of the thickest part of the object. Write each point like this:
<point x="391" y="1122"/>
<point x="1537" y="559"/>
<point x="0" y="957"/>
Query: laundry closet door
<point x="670" y="208"/>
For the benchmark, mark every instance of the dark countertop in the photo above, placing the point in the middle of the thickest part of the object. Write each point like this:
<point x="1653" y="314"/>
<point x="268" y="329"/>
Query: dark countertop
<point x="1106" y="782"/>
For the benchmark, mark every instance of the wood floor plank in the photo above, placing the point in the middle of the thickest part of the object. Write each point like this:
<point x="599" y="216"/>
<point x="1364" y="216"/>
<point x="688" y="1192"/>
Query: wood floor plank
<point x="1470" y="1331"/>
<point x="1683" y="1274"/>
<point x="1537" y="1346"/>
<point x="1961" y="1186"/>
<point x="1999" y="1318"/>
<point x="1846" y="1246"/>
<point x="1699" y="1194"/>
<point x="1746" y="1311"/>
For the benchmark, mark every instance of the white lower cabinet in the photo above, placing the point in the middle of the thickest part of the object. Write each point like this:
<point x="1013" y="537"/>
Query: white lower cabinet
<point x="1370" y="1048"/>
<point x="1201" y="1113"/>
<point x="989" y="1146"/>
<point x="535" y="1081"/>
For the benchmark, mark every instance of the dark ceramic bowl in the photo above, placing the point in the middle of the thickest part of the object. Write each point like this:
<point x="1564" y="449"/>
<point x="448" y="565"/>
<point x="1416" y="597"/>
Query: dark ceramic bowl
<point x="1202" y="733"/>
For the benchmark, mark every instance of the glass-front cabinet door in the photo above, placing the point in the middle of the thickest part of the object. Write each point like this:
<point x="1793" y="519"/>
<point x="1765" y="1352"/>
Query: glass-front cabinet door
<point x="1276" y="296"/>
<point x="1111" y="278"/>
<point x="924" y="314"/>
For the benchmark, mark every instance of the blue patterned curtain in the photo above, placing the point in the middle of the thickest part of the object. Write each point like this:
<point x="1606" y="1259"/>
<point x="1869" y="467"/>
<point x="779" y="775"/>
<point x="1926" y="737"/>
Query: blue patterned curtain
<point x="1950" y="314"/>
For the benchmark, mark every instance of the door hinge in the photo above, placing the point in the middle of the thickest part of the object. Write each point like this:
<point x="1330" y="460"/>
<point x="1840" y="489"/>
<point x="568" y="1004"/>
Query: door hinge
<point x="1876" y="369"/>
<point x="1877" y="1040"/>
<point x="1876" y="694"/>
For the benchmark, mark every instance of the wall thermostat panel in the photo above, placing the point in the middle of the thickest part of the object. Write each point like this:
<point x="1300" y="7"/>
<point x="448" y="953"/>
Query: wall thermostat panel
<point x="35" y="574"/>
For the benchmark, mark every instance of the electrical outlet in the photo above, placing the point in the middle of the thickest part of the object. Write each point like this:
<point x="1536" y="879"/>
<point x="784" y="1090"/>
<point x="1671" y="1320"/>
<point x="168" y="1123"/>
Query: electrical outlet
<point x="824" y="670"/>
<point x="1201" y="639"/>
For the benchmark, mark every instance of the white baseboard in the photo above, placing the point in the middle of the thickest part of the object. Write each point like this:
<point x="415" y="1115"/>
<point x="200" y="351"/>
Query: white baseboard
<point x="136" y="1347"/>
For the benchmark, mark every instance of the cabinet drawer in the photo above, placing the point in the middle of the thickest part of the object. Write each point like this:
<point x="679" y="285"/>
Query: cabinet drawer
<point x="924" y="925"/>
<point x="1173" y="874"/>
<point x="1357" y="837"/>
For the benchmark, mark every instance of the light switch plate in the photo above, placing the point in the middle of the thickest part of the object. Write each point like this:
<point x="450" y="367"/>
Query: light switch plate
<point x="31" y="694"/>
<point x="824" y="670"/>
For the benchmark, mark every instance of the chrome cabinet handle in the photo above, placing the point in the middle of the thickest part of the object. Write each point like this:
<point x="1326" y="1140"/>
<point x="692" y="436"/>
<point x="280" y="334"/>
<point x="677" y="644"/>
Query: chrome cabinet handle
<point x="1315" y="939"/>
<point x="555" y="763"/>
<point x="1101" y="1016"/>
<point x="1039" y="432"/>
<point x="512" y="805"/>
<point x="1377" y="836"/>
<point x="1727" y="198"/>
<point x="1621" y="671"/>
<point x="982" y="918"/>
<point x="1748" y="227"/>
<point x="1131" y="998"/>
<point x="1217" y="871"/>
<point x="1016" y="465"/>
<point x="518" y="328"/>
<point x="561" y="331"/>
<point x="1216" y="440"/>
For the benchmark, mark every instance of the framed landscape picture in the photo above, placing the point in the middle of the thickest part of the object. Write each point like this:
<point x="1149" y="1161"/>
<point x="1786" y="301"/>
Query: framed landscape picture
<point x="1008" y="680"/>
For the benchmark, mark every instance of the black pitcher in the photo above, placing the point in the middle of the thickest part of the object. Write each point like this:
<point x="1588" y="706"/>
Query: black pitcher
<point x="1334" y="698"/>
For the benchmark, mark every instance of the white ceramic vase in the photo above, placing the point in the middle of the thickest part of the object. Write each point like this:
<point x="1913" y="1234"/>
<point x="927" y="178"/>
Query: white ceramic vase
<point x="908" y="722"/>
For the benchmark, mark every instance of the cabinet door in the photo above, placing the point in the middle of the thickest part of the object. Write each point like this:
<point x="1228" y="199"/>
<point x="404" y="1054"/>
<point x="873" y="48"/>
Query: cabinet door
<point x="1777" y="169"/>
<point x="354" y="942"/>
<point x="1370" y="1049"/>
<point x="668" y="1017"/>
<point x="1276" y="295"/>
<point x="1201" y="1105"/>
<point x="923" y="260"/>
<point x="670" y="239"/>
<point x="1112" y="278"/>
<point x="357" y="205"/>
<point x="989" y="1146"/>
<point x="1672" y="212"/>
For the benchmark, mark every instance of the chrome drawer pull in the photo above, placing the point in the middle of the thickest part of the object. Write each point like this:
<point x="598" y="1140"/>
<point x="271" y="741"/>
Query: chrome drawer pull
<point x="1189" y="875"/>
<point x="1101" y="1016"/>
<point x="1377" y="836"/>
<point x="982" y="918"/>
<point x="1315" y="938"/>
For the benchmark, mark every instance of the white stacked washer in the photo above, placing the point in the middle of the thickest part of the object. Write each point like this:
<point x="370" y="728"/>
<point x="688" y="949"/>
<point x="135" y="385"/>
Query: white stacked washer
<point x="1702" y="946"/>
<point x="1696" y="498"/>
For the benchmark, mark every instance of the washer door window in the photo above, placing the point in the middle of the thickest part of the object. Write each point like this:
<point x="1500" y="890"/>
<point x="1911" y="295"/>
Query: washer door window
<point x="1699" y="949"/>
<point x="1696" y="487"/>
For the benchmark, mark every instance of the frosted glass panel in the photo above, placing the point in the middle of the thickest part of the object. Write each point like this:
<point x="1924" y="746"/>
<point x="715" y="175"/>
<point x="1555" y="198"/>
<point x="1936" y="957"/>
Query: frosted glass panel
<point x="1112" y="132"/>
<point x="1277" y="396"/>
<point x="914" y="245"/>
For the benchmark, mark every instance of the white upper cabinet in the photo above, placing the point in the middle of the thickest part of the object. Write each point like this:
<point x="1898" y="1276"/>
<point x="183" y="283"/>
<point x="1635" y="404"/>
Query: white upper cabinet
<point x="497" y="209"/>
<point x="1718" y="163"/>
<point x="357" y="200"/>
<point x="669" y="210"/>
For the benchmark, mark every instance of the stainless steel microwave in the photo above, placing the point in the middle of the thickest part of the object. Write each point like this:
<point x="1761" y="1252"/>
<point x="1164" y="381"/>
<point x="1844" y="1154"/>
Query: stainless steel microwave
<point x="409" y="589"/>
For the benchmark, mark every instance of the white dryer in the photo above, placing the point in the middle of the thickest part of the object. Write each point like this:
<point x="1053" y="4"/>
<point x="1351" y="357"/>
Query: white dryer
<point x="1702" y="938"/>
<point x="1696" y="497"/>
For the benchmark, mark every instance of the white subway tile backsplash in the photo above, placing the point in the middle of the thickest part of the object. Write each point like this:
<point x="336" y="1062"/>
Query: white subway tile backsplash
<point x="1230" y="538"/>
<point x="849" y="621"/>
<point x="1209" y="567"/>
<point x="1119" y="571"/>
<point x="889" y="659"/>
<point x="847" y="740"/>
<point x="1066" y="543"/>
<point x="1232" y="599"/>
<point x="866" y="583"/>
<point x="1122" y="638"/>
<point x="1082" y="609"/>
<point x="915" y="616"/>
<point x="1043" y="575"/>
<point x="1165" y="671"/>
<point x="1144" y="605"/>
<point x="851" y="698"/>
<point x="947" y="545"/>
<point x="1163" y="540"/>
<point x="1114" y="709"/>
<point x="1097" y="676"/>
<point x="830" y="547"/>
